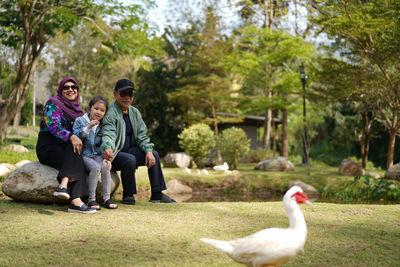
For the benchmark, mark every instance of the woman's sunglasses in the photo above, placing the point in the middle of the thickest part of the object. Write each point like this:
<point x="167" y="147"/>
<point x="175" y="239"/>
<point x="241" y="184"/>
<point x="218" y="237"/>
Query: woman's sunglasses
<point x="126" y="93"/>
<point x="67" y="87"/>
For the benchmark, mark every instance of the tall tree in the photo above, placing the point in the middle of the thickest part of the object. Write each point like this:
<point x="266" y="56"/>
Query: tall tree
<point x="209" y="86"/>
<point x="97" y="55"/>
<point x="370" y="31"/>
<point x="340" y="81"/>
<point x="264" y="13"/>
<point x="29" y="25"/>
<point x="267" y="61"/>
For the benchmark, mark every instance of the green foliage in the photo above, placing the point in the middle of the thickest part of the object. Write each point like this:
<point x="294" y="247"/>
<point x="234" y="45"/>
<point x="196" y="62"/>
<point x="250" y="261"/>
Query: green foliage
<point x="164" y="118"/>
<point x="365" y="188"/>
<point x="197" y="141"/>
<point x="257" y="155"/>
<point x="366" y="34"/>
<point x="206" y="86"/>
<point x="233" y="144"/>
<point x="267" y="60"/>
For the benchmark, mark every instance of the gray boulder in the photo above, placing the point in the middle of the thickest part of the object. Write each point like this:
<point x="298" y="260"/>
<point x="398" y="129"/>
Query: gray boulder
<point x="309" y="190"/>
<point x="275" y="164"/>
<point x="350" y="167"/>
<point x="178" y="191"/>
<point x="176" y="187"/>
<point x="34" y="182"/>
<point x="174" y="160"/>
<point x="17" y="148"/>
<point x="393" y="173"/>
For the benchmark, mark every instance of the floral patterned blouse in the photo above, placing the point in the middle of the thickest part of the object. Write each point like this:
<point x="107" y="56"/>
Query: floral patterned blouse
<point x="55" y="121"/>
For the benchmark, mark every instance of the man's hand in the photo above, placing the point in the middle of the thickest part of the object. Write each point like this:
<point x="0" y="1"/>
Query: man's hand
<point x="150" y="161"/>
<point x="108" y="154"/>
<point x="93" y="123"/>
<point x="76" y="144"/>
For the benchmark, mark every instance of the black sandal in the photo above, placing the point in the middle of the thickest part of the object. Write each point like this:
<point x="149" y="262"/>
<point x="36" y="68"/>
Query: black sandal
<point x="108" y="204"/>
<point x="94" y="203"/>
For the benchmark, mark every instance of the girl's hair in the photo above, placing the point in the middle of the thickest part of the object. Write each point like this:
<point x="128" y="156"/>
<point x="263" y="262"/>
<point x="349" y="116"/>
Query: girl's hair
<point x="96" y="99"/>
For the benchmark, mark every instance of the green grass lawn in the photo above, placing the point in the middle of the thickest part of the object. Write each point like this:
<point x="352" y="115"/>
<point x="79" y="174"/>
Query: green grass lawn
<point x="150" y="234"/>
<point x="167" y="235"/>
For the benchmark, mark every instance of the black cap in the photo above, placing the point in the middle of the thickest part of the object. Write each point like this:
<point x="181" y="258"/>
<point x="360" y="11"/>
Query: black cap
<point x="124" y="84"/>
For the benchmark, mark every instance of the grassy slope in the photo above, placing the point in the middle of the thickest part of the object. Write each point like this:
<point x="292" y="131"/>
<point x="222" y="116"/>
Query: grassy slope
<point x="167" y="235"/>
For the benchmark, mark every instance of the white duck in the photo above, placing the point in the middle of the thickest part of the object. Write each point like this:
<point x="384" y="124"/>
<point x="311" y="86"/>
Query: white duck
<point x="272" y="246"/>
<point x="221" y="168"/>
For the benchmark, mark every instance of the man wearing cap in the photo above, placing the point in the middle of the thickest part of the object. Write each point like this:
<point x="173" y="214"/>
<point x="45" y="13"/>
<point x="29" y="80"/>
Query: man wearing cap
<point x="126" y="144"/>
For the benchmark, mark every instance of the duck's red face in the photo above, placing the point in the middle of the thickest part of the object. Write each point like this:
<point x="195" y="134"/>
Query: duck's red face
<point x="301" y="198"/>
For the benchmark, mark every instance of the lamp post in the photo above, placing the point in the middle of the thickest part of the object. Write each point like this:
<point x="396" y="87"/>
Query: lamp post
<point x="303" y="78"/>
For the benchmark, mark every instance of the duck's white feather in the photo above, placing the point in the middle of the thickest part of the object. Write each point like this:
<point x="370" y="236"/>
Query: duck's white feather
<point x="273" y="246"/>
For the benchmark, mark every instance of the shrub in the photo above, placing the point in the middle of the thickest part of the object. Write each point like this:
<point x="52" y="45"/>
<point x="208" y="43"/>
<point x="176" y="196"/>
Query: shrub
<point x="197" y="141"/>
<point x="257" y="155"/>
<point x="364" y="188"/>
<point x="233" y="144"/>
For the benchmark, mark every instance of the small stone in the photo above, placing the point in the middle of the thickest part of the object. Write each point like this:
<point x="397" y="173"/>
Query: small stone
<point x="275" y="164"/>
<point x="176" y="187"/>
<point x="309" y="190"/>
<point x="17" y="148"/>
<point x="350" y="167"/>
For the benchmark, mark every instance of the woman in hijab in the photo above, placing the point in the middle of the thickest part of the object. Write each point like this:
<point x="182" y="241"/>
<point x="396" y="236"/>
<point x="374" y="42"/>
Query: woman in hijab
<point x="59" y="148"/>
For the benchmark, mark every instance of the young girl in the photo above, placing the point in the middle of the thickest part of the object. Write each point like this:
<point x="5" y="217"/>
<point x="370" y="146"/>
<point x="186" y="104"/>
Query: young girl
<point x="88" y="128"/>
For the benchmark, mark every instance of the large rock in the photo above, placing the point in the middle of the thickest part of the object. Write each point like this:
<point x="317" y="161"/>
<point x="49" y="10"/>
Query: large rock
<point x="34" y="182"/>
<point x="176" y="187"/>
<point x="180" y="159"/>
<point x="275" y="164"/>
<point x="393" y="173"/>
<point x="178" y="191"/>
<point x="350" y="167"/>
<point x="309" y="190"/>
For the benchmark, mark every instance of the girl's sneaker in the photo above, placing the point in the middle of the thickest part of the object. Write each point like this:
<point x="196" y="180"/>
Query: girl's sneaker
<point x="62" y="193"/>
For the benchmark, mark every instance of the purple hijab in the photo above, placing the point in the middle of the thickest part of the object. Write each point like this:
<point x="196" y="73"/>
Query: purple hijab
<point x="72" y="108"/>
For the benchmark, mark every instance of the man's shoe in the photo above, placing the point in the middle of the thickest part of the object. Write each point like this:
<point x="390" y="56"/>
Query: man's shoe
<point x="164" y="199"/>
<point x="81" y="209"/>
<point x="61" y="193"/>
<point x="129" y="200"/>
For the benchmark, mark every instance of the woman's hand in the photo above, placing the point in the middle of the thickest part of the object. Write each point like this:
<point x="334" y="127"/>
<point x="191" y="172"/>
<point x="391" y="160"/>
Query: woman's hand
<point x="76" y="144"/>
<point x="150" y="161"/>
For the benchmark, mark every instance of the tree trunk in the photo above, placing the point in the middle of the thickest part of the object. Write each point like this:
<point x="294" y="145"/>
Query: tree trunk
<point x="268" y="13"/>
<point x="390" y="153"/>
<point x="17" y="118"/>
<point x="275" y="137"/>
<point x="21" y="87"/>
<point x="268" y="20"/>
<point x="267" y="129"/>
<point x="285" y="143"/>
<point x="365" y="139"/>
<point x="214" y="113"/>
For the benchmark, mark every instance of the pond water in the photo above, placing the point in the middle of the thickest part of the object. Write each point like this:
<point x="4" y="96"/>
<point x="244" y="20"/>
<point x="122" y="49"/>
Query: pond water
<point x="213" y="196"/>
